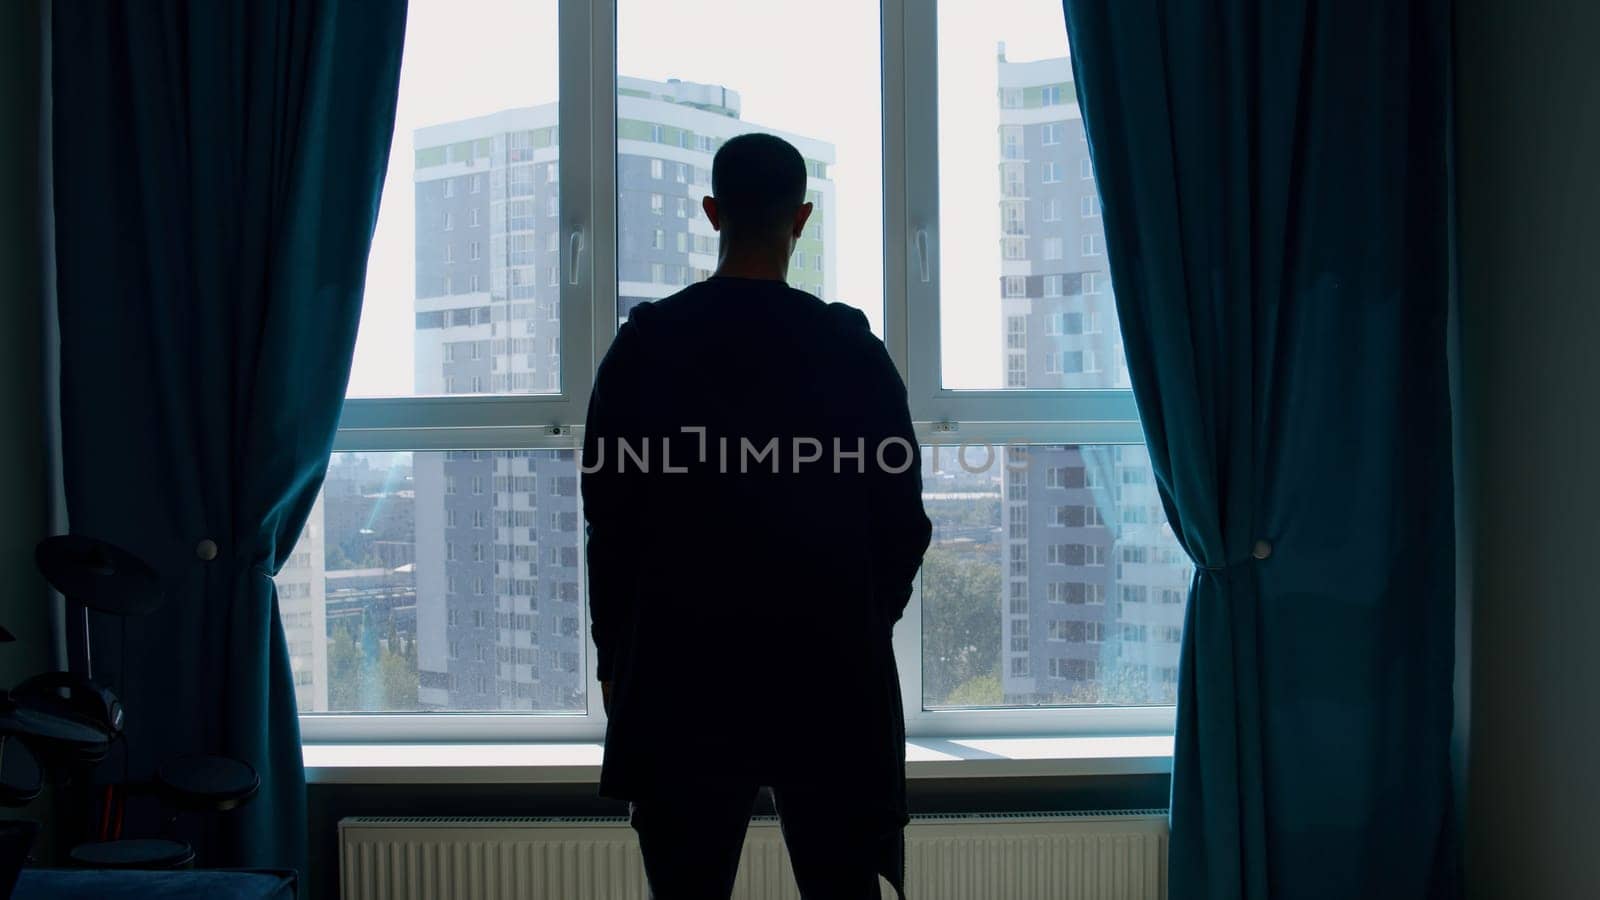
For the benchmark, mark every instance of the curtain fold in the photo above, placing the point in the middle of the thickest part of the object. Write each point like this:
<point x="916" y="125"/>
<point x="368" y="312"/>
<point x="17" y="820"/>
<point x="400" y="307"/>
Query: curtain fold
<point x="1274" y="201"/>
<point x="217" y="173"/>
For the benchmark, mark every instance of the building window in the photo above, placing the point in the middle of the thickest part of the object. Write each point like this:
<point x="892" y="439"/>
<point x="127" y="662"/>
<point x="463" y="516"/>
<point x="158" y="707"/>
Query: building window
<point x="1050" y="133"/>
<point x="655" y="169"/>
<point x="1052" y="172"/>
<point x="1091" y="245"/>
<point x="449" y="188"/>
<point x="1011" y="142"/>
<point x="657" y="203"/>
<point x="1089" y="206"/>
<point x="1052" y="248"/>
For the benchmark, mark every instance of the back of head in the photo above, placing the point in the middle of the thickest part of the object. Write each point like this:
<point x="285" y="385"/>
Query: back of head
<point x="758" y="181"/>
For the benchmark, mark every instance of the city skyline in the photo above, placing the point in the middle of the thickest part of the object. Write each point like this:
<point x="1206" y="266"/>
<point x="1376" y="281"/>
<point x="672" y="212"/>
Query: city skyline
<point x="484" y="611"/>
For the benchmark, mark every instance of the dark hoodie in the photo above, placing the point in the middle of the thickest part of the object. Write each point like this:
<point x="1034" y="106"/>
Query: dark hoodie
<point x="744" y="616"/>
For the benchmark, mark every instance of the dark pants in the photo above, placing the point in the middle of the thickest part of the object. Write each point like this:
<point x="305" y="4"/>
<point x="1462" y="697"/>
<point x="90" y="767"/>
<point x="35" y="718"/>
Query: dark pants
<point x="691" y="838"/>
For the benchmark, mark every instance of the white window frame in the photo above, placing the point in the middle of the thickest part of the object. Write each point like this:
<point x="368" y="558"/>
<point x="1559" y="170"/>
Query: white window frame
<point x="587" y="218"/>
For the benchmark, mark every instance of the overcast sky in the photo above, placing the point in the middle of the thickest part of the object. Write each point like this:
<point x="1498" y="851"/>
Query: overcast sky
<point x="811" y="68"/>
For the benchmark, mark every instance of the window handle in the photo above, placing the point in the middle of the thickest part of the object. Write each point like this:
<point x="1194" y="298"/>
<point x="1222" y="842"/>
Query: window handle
<point x="574" y="254"/>
<point x="922" y="254"/>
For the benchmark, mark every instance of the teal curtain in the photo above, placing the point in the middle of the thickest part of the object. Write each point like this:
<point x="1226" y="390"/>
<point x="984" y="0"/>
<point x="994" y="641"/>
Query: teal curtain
<point x="217" y="171"/>
<point x="1274" y="195"/>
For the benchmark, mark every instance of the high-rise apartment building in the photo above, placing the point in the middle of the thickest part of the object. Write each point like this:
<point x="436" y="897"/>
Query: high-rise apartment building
<point x="1093" y="582"/>
<point x="497" y="532"/>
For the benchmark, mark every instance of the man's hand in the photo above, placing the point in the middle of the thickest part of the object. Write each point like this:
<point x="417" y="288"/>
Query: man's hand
<point x="605" y="696"/>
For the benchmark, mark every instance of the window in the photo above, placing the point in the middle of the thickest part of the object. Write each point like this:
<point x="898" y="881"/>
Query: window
<point x="449" y="221"/>
<point x="973" y="313"/>
<point x="1091" y="245"/>
<point x="1089" y="206"/>
<point x="1011" y="142"/>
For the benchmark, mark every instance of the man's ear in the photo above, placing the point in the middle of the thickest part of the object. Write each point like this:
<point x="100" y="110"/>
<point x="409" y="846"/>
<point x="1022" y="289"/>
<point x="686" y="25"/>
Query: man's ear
<point x="709" y="204"/>
<point x="800" y="217"/>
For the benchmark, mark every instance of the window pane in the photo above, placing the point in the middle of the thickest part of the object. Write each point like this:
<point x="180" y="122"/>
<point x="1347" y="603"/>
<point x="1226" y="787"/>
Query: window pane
<point x="463" y="284"/>
<point x="440" y="581"/>
<point x="685" y="87"/>
<point x="1053" y="579"/>
<point x="1025" y="288"/>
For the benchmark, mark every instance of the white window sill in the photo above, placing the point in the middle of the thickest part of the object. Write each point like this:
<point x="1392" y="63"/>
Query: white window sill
<point x="556" y="763"/>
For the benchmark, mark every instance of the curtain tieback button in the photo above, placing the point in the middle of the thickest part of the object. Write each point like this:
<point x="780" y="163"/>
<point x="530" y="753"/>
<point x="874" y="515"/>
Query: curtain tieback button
<point x="1262" y="549"/>
<point x="206" y="549"/>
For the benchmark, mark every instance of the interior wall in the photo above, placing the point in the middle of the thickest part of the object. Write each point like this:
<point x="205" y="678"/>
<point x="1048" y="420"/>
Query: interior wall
<point x="1528" y="193"/>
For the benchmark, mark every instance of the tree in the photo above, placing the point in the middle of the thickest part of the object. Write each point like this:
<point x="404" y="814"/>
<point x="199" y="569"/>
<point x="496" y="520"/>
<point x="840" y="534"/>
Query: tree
<point x="344" y="669"/>
<point x="960" y="620"/>
<point x="982" y="690"/>
<point x="397" y="673"/>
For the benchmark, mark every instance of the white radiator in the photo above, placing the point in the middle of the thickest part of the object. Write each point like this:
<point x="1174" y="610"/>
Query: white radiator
<point x="1059" y="856"/>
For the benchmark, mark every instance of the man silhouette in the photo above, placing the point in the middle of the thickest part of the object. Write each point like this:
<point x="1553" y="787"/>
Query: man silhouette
<point x="751" y="484"/>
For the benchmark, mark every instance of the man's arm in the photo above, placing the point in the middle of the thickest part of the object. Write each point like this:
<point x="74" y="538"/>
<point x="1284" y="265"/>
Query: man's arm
<point x="607" y="496"/>
<point x="900" y="527"/>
